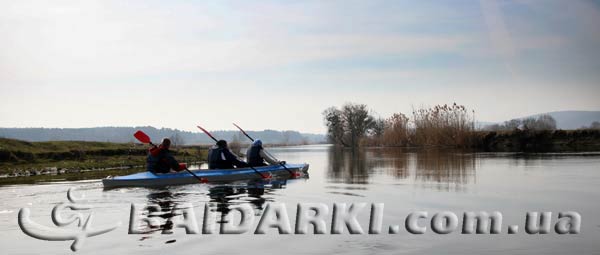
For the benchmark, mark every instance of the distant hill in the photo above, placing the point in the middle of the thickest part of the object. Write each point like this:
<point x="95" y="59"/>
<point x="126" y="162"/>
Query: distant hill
<point x="125" y="134"/>
<point x="566" y="120"/>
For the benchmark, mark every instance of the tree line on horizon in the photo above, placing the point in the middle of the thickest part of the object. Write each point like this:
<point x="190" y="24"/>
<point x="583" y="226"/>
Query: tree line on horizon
<point x="542" y="122"/>
<point x="179" y="137"/>
<point x="353" y="125"/>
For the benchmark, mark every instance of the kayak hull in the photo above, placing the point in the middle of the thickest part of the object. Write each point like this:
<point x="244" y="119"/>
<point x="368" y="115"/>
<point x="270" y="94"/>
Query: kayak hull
<point x="148" y="179"/>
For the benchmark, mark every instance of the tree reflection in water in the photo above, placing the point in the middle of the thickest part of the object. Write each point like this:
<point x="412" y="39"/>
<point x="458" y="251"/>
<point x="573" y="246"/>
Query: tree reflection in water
<point x="444" y="170"/>
<point x="348" y="166"/>
<point x="448" y="169"/>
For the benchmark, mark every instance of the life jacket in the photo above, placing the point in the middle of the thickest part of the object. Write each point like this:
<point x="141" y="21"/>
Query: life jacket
<point x="253" y="156"/>
<point x="216" y="161"/>
<point x="154" y="160"/>
<point x="159" y="160"/>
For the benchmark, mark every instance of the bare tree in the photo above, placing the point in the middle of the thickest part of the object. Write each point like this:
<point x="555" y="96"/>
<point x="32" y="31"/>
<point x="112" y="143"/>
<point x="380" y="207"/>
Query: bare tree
<point x="493" y="127"/>
<point x="512" y="124"/>
<point x="529" y="124"/>
<point x="357" y="121"/>
<point x="346" y="126"/>
<point x="379" y="126"/>
<point x="235" y="145"/>
<point x="176" y="140"/>
<point x="335" y="125"/>
<point x="546" y="122"/>
<point x="543" y="122"/>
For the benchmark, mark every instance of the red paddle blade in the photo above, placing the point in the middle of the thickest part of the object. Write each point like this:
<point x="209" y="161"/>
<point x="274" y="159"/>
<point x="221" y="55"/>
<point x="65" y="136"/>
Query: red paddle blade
<point x="203" y="130"/>
<point x="238" y="127"/>
<point x="142" y="137"/>
<point x="207" y="133"/>
<point x="243" y="132"/>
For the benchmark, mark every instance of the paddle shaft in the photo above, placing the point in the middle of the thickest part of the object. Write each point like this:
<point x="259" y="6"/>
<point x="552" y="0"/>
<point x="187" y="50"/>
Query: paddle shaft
<point x="252" y="139"/>
<point x="142" y="137"/>
<point x="244" y="132"/>
<point x="215" y="139"/>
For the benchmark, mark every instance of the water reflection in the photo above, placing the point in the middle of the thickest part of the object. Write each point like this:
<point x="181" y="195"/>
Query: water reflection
<point x="165" y="200"/>
<point x="221" y="197"/>
<point x="227" y="196"/>
<point x="447" y="170"/>
<point x="394" y="161"/>
<point x="348" y="166"/>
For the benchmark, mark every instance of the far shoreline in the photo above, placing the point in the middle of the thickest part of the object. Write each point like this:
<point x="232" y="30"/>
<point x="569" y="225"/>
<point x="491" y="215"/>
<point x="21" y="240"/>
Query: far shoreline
<point x="31" y="162"/>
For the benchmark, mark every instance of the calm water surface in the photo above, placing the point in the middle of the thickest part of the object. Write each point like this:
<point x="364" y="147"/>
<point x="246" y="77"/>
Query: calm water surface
<point x="404" y="181"/>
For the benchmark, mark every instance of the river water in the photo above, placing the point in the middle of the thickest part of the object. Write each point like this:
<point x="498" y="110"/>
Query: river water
<point x="404" y="181"/>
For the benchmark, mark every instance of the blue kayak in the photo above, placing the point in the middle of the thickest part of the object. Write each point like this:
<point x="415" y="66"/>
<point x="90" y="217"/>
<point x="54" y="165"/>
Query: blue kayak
<point x="146" y="179"/>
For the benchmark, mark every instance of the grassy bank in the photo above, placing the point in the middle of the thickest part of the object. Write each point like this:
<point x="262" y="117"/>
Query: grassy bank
<point x="71" y="176"/>
<point x="585" y="140"/>
<point x="37" y="158"/>
<point x="537" y="141"/>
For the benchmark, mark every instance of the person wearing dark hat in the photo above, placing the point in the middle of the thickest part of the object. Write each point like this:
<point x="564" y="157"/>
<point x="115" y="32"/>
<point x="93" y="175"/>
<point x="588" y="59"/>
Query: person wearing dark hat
<point x="160" y="159"/>
<point x="257" y="156"/>
<point x="220" y="157"/>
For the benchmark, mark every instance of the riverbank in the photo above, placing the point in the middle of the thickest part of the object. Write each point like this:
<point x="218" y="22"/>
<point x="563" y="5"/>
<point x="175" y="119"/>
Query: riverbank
<point x="583" y="140"/>
<point x="21" y="158"/>
<point x="538" y="141"/>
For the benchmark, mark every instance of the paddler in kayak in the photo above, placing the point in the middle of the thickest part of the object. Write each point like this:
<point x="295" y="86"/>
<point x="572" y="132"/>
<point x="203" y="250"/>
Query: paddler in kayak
<point x="256" y="155"/>
<point x="220" y="157"/>
<point x="160" y="160"/>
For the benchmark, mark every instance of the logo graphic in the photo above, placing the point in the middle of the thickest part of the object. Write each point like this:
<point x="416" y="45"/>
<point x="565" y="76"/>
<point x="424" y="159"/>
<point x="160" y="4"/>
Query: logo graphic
<point x="60" y="232"/>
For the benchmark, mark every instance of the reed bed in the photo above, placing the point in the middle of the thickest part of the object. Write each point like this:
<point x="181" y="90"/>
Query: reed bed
<point x="440" y="125"/>
<point x="445" y="125"/>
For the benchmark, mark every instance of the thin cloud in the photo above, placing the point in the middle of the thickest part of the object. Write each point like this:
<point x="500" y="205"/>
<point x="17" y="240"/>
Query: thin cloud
<point x="93" y="63"/>
<point x="499" y="34"/>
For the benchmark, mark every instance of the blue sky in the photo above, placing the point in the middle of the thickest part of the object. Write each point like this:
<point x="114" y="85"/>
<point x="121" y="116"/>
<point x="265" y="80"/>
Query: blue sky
<point x="279" y="64"/>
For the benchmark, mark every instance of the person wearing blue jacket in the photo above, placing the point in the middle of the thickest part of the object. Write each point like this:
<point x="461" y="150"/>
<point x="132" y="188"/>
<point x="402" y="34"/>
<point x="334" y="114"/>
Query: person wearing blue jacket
<point x="257" y="156"/>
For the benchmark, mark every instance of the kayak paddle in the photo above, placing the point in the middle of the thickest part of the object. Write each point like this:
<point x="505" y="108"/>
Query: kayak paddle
<point x="144" y="138"/>
<point x="293" y="174"/>
<point x="215" y="139"/>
